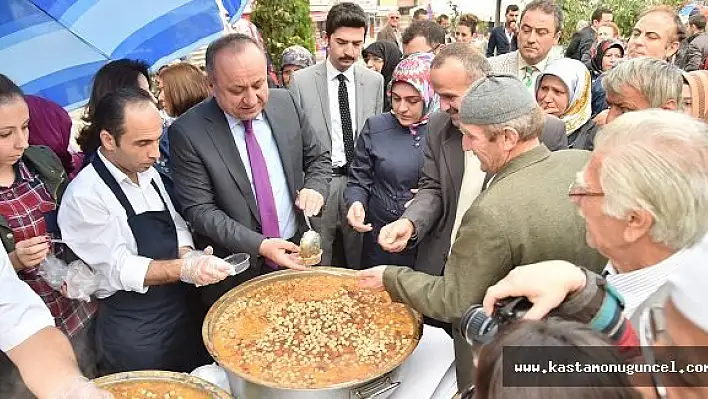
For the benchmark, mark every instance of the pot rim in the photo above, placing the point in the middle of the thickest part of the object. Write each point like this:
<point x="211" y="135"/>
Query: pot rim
<point x="161" y="376"/>
<point x="218" y="307"/>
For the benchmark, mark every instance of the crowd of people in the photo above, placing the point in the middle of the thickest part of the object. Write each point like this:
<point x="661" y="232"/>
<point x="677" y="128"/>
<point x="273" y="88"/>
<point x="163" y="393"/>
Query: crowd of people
<point x="447" y="174"/>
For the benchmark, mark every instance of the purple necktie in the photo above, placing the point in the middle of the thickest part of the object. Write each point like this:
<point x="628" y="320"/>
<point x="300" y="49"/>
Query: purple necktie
<point x="261" y="181"/>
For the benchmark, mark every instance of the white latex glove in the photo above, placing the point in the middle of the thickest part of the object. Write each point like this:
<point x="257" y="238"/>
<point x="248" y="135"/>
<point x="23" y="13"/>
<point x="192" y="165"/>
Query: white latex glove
<point x="204" y="270"/>
<point x="197" y="252"/>
<point x="82" y="388"/>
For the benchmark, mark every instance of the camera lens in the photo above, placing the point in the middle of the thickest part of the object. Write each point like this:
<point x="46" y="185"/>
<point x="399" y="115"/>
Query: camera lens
<point x="477" y="327"/>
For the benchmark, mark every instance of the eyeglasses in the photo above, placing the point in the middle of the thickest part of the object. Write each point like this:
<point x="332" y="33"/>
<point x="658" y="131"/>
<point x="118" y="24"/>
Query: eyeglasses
<point x="652" y="325"/>
<point x="576" y="189"/>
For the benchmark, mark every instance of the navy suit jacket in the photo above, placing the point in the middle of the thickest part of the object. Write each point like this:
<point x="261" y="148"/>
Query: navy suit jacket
<point x="500" y="42"/>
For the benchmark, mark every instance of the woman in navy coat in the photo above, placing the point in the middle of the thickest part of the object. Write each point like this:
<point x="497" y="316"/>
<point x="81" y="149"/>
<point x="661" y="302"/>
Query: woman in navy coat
<point x="389" y="158"/>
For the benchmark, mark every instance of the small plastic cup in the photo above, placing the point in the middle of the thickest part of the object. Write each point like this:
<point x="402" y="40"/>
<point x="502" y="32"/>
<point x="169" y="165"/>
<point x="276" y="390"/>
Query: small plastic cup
<point x="239" y="261"/>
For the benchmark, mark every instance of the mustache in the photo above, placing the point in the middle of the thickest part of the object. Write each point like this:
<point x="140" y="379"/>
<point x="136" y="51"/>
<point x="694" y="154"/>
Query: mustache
<point x="452" y="110"/>
<point x="345" y="58"/>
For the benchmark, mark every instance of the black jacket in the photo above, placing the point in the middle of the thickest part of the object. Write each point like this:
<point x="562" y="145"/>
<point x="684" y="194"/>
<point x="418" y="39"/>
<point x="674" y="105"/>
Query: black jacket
<point x="690" y="55"/>
<point x="584" y="137"/>
<point x="580" y="45"/>
<point x="500" y="42"/>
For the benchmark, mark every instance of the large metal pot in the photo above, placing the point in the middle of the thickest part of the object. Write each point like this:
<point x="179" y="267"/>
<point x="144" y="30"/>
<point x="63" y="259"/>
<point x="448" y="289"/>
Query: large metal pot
<point x="183" y="379"/>
<point x="245" y="387"/>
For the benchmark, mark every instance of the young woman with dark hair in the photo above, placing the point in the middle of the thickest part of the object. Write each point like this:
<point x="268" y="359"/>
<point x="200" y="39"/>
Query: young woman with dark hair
<point x="32" y="181"/>
<point x="119" y="74"/>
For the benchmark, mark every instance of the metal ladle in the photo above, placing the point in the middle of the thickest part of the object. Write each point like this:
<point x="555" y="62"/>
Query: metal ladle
<point x="310" y="243"/>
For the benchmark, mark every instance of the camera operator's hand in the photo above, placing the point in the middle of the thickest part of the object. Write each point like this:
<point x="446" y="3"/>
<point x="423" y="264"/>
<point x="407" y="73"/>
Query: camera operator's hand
<point x="372" y="279"/>
<point x="544" y="284"/>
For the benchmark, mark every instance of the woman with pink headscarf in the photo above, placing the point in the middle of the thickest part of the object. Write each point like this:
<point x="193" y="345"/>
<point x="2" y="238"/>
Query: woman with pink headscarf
<point x="388" y="159"/>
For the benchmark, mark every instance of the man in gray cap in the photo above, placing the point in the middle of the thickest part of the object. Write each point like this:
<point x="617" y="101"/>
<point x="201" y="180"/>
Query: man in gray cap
<point x="649" y="170"/>
<point x="523" y="215"/>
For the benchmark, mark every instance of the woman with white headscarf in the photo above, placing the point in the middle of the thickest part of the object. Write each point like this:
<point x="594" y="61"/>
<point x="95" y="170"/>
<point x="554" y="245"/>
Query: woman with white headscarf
<point x="563" y="90"/>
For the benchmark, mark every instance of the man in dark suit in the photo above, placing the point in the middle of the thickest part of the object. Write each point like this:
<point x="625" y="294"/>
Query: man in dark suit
<point x="441" y="200"/>
<point x="247" y="164"/>
<point x="583" y="40"/>
<point x="502" y="40"/>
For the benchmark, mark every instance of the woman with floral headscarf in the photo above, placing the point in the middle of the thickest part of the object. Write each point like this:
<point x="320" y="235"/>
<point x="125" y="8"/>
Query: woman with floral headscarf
<point x="294" y="58"/>
<point x="563" y="90"/>
<point x="389" y="157"/>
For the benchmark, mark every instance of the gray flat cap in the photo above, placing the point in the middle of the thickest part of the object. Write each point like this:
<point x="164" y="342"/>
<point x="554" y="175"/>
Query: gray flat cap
<point x="496" y="99"/>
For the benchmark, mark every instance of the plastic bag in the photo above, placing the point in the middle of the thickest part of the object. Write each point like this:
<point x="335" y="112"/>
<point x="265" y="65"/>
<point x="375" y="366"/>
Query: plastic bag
<point x="81" y="281"/>
<point x="53" y="270"/>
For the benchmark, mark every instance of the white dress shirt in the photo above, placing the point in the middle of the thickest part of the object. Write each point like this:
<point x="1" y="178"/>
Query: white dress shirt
<point x="95" y="225"/>
<point x="509" y="35"/>
<point x="287" y="222"/>
<point x="637" y="286"/>
<point x="472" y="181"/>
<point x="22" y="312"/>
<point x="339" y="157"/>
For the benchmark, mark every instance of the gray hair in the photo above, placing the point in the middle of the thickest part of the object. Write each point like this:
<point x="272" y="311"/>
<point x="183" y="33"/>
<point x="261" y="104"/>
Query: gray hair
<point x="582" y="24"/>
<point x="474" y="62"/>
<point x="657" y="161"/>
<point x="237" y="42"/>
<point x="529" y="126"/>
<point x="657" y="80"/>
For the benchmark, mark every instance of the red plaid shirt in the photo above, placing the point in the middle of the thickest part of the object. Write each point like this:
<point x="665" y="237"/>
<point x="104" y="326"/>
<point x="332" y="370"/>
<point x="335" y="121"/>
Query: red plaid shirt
<point x="23" y="205"/>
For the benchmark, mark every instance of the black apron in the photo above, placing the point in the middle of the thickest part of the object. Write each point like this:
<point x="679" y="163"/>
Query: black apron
<point x="151" y="331"/>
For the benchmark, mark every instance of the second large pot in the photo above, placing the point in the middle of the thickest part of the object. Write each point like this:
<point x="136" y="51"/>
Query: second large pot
<point x="378" y="386"/>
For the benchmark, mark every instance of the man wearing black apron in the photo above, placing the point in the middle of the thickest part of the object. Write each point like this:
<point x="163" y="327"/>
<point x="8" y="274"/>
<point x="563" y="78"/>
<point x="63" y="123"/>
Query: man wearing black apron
<point x="121" y="222"/>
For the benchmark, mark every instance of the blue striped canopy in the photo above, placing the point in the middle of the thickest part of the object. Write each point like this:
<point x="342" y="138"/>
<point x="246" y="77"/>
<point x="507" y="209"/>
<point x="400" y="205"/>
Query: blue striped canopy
<point x="52" y="48"/>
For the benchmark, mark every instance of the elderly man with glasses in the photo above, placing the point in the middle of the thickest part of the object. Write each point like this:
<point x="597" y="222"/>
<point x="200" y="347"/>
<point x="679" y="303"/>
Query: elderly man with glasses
<point x="644" y="197"/>
<point x="390" y="31"/>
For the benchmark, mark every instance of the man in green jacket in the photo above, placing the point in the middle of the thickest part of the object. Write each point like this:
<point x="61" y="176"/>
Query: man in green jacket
<point x="523" y="216"/>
